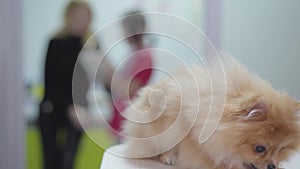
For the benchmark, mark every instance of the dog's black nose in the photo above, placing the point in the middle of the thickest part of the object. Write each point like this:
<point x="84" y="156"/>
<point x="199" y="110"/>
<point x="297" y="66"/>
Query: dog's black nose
<point x="271" y="166"/>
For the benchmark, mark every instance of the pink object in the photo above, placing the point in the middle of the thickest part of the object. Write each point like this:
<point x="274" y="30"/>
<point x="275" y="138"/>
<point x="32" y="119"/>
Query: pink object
<point x="138" y="68"/>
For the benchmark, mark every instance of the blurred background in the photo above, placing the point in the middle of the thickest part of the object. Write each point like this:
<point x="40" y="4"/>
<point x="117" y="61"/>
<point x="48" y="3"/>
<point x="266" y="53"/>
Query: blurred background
<point x="263" y="35"/>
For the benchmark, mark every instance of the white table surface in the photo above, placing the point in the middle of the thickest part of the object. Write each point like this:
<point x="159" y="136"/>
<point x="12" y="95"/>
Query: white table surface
<point x="111" y="160"/>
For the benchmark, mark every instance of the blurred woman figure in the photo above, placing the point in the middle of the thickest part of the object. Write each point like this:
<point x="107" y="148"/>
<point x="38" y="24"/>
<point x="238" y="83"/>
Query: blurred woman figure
<point x="137" y="69"/>
<point x="60" y="148"/>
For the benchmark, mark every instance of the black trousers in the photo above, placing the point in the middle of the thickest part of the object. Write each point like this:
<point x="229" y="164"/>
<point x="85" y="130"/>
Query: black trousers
<point x="58" y="153"/>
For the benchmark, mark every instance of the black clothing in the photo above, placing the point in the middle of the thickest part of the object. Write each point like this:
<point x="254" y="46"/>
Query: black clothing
<point x="60" y="62"/>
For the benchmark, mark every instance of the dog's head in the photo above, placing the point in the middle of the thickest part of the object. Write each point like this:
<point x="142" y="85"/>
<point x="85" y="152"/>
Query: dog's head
<point x="260" y="131"/>
<point x="260" y="127"/>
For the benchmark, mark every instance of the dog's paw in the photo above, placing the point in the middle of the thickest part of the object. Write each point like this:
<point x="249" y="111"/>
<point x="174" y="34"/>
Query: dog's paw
<point x="168" y="158"/>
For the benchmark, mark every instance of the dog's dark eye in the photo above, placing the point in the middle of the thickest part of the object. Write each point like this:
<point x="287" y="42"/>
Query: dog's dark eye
<point x="260" y="149"/>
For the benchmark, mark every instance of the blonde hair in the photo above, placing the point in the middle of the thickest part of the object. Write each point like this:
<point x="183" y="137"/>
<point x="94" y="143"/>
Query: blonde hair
<point x="65" y="30"/>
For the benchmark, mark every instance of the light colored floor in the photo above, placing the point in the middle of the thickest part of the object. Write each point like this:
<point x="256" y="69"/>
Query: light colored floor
<point x="112" y="160"/>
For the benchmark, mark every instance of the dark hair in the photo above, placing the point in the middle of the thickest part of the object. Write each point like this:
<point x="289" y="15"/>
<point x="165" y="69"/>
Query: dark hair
<point x="134" y="23"/>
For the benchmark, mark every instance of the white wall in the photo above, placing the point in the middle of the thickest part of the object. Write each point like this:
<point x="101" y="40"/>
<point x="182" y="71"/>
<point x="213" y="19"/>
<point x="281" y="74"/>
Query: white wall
<point x="265" y="36"/>
<point x="41" y="19"/>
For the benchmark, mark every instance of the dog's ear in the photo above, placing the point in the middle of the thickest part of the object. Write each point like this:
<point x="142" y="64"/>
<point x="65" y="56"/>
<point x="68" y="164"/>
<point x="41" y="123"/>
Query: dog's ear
<point x="257" y="111"/>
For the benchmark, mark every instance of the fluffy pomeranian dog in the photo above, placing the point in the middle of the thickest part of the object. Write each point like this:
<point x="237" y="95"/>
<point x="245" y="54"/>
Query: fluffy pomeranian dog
<point x="253" y="126"/>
